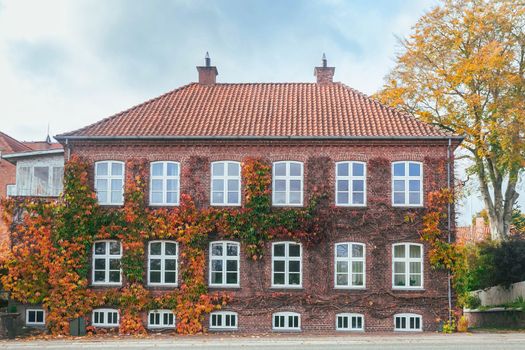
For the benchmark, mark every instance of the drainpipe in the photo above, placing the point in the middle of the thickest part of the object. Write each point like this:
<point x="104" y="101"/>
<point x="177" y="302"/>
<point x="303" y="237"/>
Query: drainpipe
<point x="449" y="227"/>
<point x="68" y="150"/>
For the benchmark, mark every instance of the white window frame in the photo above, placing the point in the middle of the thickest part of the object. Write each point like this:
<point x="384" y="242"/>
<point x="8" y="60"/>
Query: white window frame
<point x="164" y="178"/>
<point x="163" y="257"/>
<point x="225" y="317"/>
<point x="162" y="324"/>
<point x="107" y="256"/>
<point x="349" y="260"/>
<point x="407" y="317"/>
<point x="225" y="178"/>
<point x="350" y="179"/>
<point x="286" y="326"/>
<point x="407" y="178"/>
<point x="350" y="316"/>
<point x="108" y="179"/>
<point x="287" y="178"/>
<point x="407" y="260"/>
<point x="287" y="259"/>
<point x="105" y="312"/>
<point x="224" y="258"/>
<point x="36" y="323"/>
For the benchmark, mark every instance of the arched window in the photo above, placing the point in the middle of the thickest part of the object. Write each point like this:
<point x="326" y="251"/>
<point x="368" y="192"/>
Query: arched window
<point x="287" y="183"/>
<point x="164" y="183"/>
<point x="109" y="182"/>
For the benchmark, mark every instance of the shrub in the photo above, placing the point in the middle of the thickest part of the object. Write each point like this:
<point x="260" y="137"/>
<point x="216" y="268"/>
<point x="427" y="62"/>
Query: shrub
<point x="472" y="302"/>
<point x="462" y="324"/>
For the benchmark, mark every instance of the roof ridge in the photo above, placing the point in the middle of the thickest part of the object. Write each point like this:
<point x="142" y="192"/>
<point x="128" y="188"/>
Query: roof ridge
<point x="111" y="117"/>
<point x="395" y="110"/>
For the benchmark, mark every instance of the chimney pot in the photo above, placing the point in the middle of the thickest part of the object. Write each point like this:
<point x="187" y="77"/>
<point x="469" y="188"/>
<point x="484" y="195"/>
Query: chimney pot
<point x="207" y="73"/>
<point x="324" y="74"/>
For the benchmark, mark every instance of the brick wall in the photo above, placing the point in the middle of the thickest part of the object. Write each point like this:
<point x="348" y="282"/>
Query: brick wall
<point x="7" y="177"/>
<point x="379" y="225"/>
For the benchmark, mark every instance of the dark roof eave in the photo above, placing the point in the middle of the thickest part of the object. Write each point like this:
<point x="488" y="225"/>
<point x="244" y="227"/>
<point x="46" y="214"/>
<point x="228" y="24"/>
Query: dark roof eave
<point x="65" y="138"/>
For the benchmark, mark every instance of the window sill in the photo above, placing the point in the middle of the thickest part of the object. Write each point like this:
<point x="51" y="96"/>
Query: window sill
<point x="287" y="205"/>
<point x="407" y="206"/>
<point x="283" y="330"/>
<point x="163" y="286"/>
<point x="106" y="284"/>
<point x="350" y="205"/>
<point x="225" y="205"/>
<point x="349" y="288"/>
<point x="223" y="329"/>
<point x="217" y="286"/>
<point x="287" y="287"/>
<point x="408" y="289"/>
<point x="160" y="205"/>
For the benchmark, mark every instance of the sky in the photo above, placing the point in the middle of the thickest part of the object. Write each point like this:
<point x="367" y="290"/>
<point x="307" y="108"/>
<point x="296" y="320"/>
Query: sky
<point x="66" y="64"/>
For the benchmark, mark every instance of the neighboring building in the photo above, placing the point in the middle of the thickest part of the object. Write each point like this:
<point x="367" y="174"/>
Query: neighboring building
<point x="39" y="169"/>
<point x="479" y="231"/>
<point x="371" y="275"/>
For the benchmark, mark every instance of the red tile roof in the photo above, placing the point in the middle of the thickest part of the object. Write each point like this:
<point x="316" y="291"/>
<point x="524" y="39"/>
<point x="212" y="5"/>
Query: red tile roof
<point x="42" y="145"/>
<point x="261" y="110"/>
<point x="11" y="145"/>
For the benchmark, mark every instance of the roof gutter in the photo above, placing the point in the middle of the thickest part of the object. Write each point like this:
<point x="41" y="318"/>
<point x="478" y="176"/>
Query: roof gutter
<point x="386" y="138"/>
<point x="14" y="156"/>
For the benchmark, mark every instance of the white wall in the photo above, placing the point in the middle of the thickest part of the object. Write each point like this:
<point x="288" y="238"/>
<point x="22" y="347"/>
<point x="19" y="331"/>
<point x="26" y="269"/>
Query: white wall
<point x="500" y="295"/>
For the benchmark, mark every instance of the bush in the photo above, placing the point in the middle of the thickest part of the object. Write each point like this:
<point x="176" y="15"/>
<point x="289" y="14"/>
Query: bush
<point x="462" y="324"/>
<point x="493" y="264"/>
<point x="472" y="302"/>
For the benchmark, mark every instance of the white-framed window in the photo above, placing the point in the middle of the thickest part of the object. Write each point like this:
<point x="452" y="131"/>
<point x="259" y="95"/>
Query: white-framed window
<point x="109" y="182"/>
<point x="224" y="264"/>
<point x="286" y="321"/>
<point x="163" y="259"/>
<point x="105" y="318"/>
<point x="349" y="322"/>
<point x="350" y="183"/>
<point x="39" y="179"/>
<point x="407" y="266"/>
<point x="407" y="184"/>
<point x="408" y="323"/>
<point x="286" y="264"/>
<point x="350" y="268"/>
<point x="164" y="183"/>
<point x="287" y="183"/>
<point x="35" y="317"/>
<point x="223" y="320"/>
<point x="161" y="319"/>
<point x="225" y="183"/>
<point x="106" y="263"/>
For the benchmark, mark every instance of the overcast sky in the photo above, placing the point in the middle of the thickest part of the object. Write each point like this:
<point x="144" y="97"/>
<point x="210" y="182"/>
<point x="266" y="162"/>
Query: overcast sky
<point x="67" y="64"/>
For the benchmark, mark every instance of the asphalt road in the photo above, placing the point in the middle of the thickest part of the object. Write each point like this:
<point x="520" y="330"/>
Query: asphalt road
<point x="509" y="341"/>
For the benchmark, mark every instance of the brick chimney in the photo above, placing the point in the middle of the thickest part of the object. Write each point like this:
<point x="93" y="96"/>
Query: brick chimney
<point x="207" y="73"/>
<point x="324" y="74"/>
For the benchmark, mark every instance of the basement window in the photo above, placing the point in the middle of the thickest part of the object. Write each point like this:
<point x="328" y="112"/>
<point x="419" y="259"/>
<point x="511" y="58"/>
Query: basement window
<point x="349" y="322"/>
<point x="161" y="319"/>
<point x="105" y="318"/>
<point x="223" y="320"/>
<point x="408" y="323"/>
<point x="35" y="317"/>
<point x="286" y="321"/>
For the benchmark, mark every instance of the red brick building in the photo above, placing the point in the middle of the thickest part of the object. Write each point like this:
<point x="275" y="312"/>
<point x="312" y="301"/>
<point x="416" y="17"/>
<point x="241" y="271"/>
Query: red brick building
<point x="375" y="163"/>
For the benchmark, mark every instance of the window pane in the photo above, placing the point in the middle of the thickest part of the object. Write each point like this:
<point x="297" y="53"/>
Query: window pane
<point x="231" y="265"/>
<point x="155" y="264"/>
<point x="101" y="185"/>
<point x="41" y="180"/>
<point x="218" y="197"/>
<point x="399" y="280"/>
<point x="294" y="266"/>
<point x="399" y="267"/>
<point x="156" y="185"/>
<point x="170" y="277"/>
<point x="278" y="266"/>
<point x="116" y="185"/>
<point x="100" y="264"/>
<point x="170" y="248"/>
<point x="218" y="169"/>
<point x="415" y="280"/>
<point x="414" y="198"/>
<point x="358" y="169"/>
<point x="294" y="250"/>
<point x="359" y="185"/>
<point x="358" y="198"/>
<point x="116" y="169"/>
<point x="294" y="279"/>
<point x="342" y="266"/>
<point x="170" y="264"/>
<point x="100" y="276"/>
<point x="414" y="185"/>
<point x="114" y="264"/>
<point x="102" y="197"/>
<point x="102" y="169"/>
<point x="278" y="249"/>
<point x="154" y="276"/>
<point x="116" y="196"/>
<point x="232" y="250"/>
<point x="342" y="169"/>
<point x="173" y="169"/>
<point x="216" y="249"/>
<point x="278" y="278"/>
<point x="415" y="267"/>
<point x="100" y="248"/>
<point x="295" y="197"/>
<point x="399" y="169"/>
<point x="156" y="169"/>
<point x="342" y="185"/>
<point x="357" y="250"/>
<point x="295" y="169"/>
<point x="342" y="250"/>
<point x="31" y="317"/>
<point x="217" y="185"/>
<point x="399" y="251"/>
<point x="399" y="198"/>
<point x="171" y="197"/>
<point x="233" y="185"/>
<point x="280" y="169"/>
<point x="155" y="248"/>
<point x="279" y="197"/>
<point x="399" y="185"/>
<point x="114" y="248"/>
<point x="156" y="197"/>
<point x="415" y="251"/>
<point x="342" y="279"/>
<point x="414" y="169"/>
<point x="114" y="276"/>
<point x="216" y="265"/>
<point x="233" y="169"/>
<point x="231" y="278"/>
<point x="357" y="266"/>
<point x="172" y="185"/>
<point x="357" y="279"/>
<point x="280" y="185"/>
<point x="216" y="277"/>
<point x="342" y="198"/>
<point x="233" y="197"/>
<point x="295" y="185"/>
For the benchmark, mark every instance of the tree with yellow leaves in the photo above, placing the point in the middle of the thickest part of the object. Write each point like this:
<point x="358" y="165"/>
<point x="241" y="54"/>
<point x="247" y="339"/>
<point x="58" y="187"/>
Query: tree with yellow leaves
<point x="462" y="68"/>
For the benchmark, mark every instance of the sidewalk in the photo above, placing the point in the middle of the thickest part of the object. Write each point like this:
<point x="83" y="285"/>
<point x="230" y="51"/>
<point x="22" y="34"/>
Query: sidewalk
<point x="487" y="341"/>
